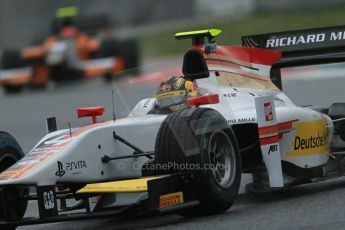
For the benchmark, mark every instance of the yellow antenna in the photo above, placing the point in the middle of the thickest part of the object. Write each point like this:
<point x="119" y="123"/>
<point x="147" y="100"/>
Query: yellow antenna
<point x="66" y="12"/>
<point x="198" y="36"/>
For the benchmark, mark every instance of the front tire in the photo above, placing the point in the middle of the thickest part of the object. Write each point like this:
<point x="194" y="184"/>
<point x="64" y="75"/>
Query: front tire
<point x="13" y="89"/>
<point x="10" y="153"/>
<point x="202" y="136"/>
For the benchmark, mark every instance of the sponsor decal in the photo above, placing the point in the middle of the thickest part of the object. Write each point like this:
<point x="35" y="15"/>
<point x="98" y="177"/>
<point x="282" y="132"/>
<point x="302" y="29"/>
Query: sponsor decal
<point x="47" y="205"/>
<point x="241" y="120"/>
<point x="229" y="94"/>
<point x="268" y="111"/>
<point x="211" y="47"/>
<point x="278" y="99"/>
<point x="311" y="137"/>
<point x="296" y="40"/>
<point x="171" y="199"/>
<point x="60" y="171"/>
<point x="176" y="93"/>
<point x="311" y="142"/>
<point x="306" y="40"/>
<point x="48" y="200"/>
<point x="73" y="166"/>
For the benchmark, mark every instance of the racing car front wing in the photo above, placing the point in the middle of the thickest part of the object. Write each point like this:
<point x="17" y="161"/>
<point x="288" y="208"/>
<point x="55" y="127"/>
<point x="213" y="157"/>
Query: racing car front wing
<point x="164" y="195"/>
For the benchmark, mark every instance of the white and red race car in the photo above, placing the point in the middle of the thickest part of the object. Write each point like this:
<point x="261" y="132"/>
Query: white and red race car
<point x="190" y="160"/>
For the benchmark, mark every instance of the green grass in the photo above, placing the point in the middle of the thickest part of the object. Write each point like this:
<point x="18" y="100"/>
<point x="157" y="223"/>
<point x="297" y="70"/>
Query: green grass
<point x="163" y="43"/>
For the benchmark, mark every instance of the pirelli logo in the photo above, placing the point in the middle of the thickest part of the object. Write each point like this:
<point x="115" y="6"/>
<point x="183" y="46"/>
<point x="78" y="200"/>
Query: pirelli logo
<point x="170" y="199"/>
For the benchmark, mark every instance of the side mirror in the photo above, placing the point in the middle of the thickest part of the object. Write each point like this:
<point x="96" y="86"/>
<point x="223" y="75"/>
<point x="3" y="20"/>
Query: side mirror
<point x="90" y="112"/>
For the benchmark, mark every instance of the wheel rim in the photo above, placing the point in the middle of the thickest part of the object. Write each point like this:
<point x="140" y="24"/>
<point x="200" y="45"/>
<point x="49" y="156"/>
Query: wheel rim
<point x="222" y="159"/>
<point x="6" y="161"/>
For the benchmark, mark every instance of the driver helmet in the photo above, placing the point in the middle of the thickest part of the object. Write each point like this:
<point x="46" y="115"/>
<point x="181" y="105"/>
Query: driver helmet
<point x="175" y="91"/>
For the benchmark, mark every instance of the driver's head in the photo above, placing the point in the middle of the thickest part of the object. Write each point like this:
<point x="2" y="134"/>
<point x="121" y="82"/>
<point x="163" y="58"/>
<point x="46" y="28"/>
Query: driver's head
<point x="175" y="91"/>
<point x="69" y="32"/>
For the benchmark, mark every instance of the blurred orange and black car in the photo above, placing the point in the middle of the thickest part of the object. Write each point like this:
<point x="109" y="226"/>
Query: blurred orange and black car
<point x="79" y="47"/>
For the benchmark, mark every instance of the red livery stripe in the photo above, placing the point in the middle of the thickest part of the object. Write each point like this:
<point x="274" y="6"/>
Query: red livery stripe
<point x="269" y="140"/>
<point x="272" y="134"/>
<point x="221" y="63"/>
<point x="272" y="129"/>
<point x="246" y="56"/>
<point x="285" y="126"/>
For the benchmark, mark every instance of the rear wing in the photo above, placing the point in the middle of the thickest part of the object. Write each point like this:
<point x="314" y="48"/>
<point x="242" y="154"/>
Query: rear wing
<point x="301" y="47"/>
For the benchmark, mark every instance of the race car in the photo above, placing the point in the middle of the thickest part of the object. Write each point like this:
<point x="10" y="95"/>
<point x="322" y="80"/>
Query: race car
<point x="187" y="149"/>
<point x="76" y="49"/>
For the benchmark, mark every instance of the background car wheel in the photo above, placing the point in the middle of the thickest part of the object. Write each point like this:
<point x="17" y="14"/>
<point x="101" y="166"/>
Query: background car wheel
<point x="202" y="136"/>
<point x="131" y="55"/>
<point x="127" y="49"/>
<point x="108" y="77"/>
<point x="63" y="73"/>
<point x="109" y="48"/>
<point x="12" y="89"/>
<point x="10" y="153"/>
<point x="11" y="59"/>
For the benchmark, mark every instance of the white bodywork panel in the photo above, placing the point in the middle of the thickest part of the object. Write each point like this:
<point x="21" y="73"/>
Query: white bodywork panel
<point x="61" y="157"/>
<point x="269" y="140"/>
<point x="14" y="73"/>
<point x="103" y="63"/>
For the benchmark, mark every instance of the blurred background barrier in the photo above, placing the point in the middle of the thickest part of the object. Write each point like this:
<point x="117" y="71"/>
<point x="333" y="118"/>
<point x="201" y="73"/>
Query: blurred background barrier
<point x="25" y="22"/>
<point x="270" y="5"/>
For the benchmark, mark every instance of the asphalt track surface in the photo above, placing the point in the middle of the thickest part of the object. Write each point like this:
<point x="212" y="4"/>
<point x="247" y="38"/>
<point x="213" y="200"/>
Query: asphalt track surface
<point x="313" y="206"/>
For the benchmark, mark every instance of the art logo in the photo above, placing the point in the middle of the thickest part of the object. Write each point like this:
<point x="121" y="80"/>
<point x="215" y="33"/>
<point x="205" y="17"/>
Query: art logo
<point x="273" y="148"/>
<point x="268" y="111"/>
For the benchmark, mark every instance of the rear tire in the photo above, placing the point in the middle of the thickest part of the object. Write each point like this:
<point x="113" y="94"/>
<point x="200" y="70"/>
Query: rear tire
<point x="10" y="153"/>
<point x="189" y="136"/>
<point x="127" y="49"/>
<point x="131" y="55"/>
